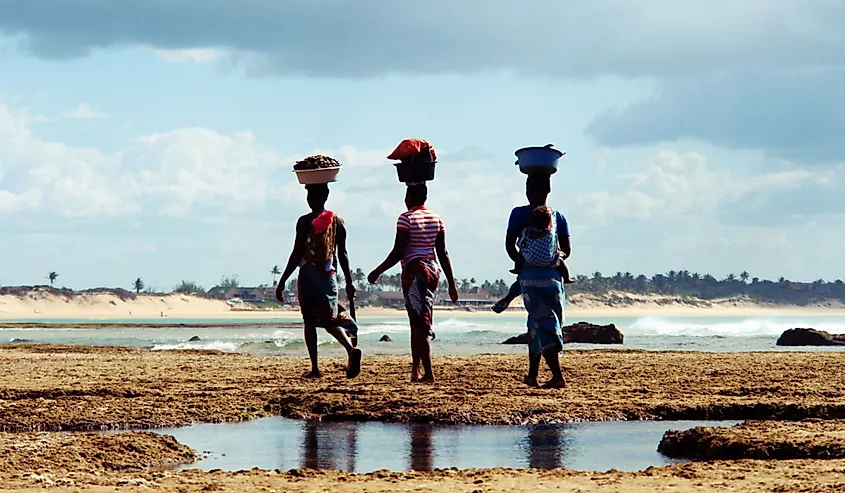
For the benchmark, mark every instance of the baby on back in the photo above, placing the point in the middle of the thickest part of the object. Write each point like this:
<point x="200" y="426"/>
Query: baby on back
<point x="538" y="247"/>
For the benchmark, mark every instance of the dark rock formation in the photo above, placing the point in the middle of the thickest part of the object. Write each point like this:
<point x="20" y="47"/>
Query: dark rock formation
<point x="581" y="332"/>
<point x="194" y="339"/>
<point x="588" y="333"/>
<point x="520" y="339"/>
<point x="385" y="338"/>
<point x="810" y="337"/>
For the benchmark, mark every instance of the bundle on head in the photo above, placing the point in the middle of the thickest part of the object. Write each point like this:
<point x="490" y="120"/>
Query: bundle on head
<point x="413" y="150"/>
<point x="316" y="162"/>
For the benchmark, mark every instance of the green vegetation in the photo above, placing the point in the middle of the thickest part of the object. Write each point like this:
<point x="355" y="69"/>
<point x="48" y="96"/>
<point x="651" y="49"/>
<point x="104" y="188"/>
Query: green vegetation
<point x="188" y="287"/>
<point x="682" y="283"/>
<point x="707" y="287"/>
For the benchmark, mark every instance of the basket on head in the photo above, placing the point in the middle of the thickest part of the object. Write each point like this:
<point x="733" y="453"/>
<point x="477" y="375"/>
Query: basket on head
<point x="541" y="160"/>
<point x="317" y="169"/>
<point x="317" y="176"/>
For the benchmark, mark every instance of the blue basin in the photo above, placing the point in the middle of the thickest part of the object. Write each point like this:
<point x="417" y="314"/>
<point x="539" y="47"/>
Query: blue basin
<point x="538" y="159"/>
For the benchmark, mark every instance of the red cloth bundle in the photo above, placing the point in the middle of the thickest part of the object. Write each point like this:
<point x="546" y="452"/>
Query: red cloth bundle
<point x="412" y="147"/>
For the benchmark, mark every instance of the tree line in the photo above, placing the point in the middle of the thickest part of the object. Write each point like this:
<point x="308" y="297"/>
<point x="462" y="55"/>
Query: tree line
<point x="672" y="283"/>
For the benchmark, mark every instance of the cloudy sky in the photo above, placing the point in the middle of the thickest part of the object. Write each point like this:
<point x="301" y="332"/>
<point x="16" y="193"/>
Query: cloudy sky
<point x="155" y="138"/>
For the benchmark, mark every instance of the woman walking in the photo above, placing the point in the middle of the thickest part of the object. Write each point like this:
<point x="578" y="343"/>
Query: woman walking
<point x="542" y="287"/>
<point x="420" y="242"/>
<point x="319" y="245"/>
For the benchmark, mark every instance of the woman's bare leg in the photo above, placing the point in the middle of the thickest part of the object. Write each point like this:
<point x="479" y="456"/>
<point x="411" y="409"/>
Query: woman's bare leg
<point x="552" y="358"/>
<point x="311" y="344"/>
<point x="415" y="357"/>
<point x="340" y="334"/>
<point x="353" y="365"/>
<point x="424" y="353"/>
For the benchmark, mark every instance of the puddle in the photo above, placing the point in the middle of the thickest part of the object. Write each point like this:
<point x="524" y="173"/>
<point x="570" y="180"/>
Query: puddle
<point x="279" y="443"/>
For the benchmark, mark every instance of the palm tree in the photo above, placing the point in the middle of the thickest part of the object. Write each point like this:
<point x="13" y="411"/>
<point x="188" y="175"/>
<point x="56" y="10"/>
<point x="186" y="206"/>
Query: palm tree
<point x="275" y="271"/>
<point x="52" y="276"/>
<point x="138" y="285"/>
<point x="744" y="276"/>
<point x="465" y="285"/>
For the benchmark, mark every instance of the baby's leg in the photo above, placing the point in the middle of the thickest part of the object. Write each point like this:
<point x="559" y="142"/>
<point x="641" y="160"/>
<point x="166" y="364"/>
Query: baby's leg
<point x="564" y="272"/>
<point x="513" y="293"/>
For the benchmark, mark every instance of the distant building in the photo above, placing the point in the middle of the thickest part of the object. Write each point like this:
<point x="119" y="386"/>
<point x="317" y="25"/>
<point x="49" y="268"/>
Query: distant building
<point x="249" y="295"/>
<point x="480" y="299"/>
<point x="388" y="299"/>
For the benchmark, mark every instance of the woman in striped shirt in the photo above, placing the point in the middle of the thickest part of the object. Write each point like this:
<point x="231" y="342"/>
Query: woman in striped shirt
<point x="420" y="242"/>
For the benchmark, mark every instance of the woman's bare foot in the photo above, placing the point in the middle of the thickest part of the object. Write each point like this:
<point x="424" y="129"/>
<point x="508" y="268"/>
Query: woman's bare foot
<point x="531" y="381"/>
<point x="313" y="374"/>
<point x="354" y="366"/>
<point x="427" y="379"/>
<point x="555" y="383"/>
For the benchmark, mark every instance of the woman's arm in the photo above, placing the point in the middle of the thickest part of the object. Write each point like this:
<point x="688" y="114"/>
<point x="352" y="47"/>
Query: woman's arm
<point x="400" y="243"/>
<point x="565" y="243"/>
<point x="295" y="257"/>
<point x="510" y="247"/>
<point x="563" y="239"/>
<point x="446" y="264"/>
<point x="343" y="258"/>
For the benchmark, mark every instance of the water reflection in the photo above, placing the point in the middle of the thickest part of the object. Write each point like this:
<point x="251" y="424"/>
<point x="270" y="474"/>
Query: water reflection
<point x="329" y="447"/>
<point x="422" y="447"/>
<point x="335" y="445"/>
<point x="281" y="443"/>
<point x="545" y="445"/>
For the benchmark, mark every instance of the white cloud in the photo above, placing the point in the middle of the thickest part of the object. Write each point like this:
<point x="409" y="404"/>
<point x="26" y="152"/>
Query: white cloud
<point x="682" y="185"/>
<point x="84" y="112"/>
<point x="183" y="171"/>
<point x="195" y="55"/>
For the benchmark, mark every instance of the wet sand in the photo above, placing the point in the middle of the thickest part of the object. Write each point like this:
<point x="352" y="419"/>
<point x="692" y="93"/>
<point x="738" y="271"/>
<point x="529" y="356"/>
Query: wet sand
<point x="811" y="439"/>
<point x="127" y="461"/>
<point x="58" y="453"/>
<point x="742" y="476"/>
<point x="86" y="388"/>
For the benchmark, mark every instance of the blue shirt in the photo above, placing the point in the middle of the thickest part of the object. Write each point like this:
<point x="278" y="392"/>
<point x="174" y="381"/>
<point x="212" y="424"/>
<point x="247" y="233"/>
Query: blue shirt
<point x="519" y="220"/>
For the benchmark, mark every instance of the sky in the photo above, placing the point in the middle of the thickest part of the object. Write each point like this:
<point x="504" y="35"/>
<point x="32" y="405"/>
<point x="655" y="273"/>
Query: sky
<point x="155" y="139"/>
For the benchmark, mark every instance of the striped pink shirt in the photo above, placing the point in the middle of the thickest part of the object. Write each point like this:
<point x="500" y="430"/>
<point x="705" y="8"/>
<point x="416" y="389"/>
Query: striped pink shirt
<point x="423" y="227"/>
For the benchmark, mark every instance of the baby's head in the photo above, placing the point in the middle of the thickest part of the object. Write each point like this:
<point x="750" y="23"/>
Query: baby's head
<point x="541" y="218"/>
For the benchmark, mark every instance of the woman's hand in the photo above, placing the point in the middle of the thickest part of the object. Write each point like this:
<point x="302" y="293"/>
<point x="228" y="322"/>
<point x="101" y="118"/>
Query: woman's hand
<point x="280" y="290"/>
<point x="373" y="277"/>
<point x="453" y="292"/>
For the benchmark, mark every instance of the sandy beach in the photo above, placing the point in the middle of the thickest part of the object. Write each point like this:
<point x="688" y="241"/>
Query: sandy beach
<point x="93" y="306"/>
<point x="84" y="388"/>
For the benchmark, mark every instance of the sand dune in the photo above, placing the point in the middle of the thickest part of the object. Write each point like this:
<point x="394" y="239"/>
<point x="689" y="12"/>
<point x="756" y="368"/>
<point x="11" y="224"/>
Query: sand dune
<point x="44" y="304"/>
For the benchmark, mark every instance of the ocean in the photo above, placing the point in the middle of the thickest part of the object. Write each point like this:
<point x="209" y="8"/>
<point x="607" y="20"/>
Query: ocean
<point x="464" y="335"/>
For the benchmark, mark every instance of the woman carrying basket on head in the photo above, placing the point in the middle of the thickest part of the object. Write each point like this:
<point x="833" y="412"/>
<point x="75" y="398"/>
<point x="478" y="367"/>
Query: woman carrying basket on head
<point x="420" y="242"/>
<point x="319" y="246"/>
